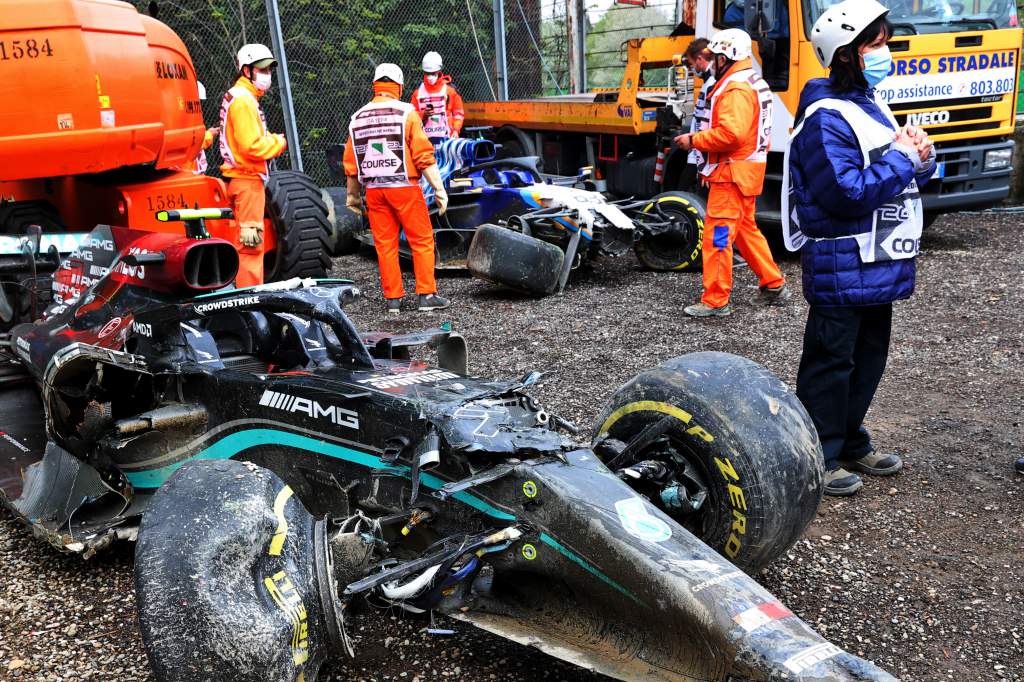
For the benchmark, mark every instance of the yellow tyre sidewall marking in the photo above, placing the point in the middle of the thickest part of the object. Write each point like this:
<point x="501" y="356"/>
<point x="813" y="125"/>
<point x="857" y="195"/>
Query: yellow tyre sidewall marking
<point x="281" y="533"/>
<point x="655" y="406"/>
<point x="289" y="601"/>
<point x="529" y="552"/>
<point x="700" y="223"/>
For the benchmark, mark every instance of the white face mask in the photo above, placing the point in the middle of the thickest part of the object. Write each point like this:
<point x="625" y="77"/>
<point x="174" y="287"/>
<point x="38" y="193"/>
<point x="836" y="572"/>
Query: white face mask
<point x="432" y="78"/>
<point x="263" y="81"/>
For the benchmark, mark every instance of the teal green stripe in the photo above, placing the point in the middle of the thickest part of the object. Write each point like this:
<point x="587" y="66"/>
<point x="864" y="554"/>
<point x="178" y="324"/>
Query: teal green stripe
<point x="587" y="566"/>
<point x="232" y="445"/>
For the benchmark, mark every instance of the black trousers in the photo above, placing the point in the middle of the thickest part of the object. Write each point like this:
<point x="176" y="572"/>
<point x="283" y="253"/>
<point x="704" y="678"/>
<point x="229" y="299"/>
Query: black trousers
<point x="845" y="350"/>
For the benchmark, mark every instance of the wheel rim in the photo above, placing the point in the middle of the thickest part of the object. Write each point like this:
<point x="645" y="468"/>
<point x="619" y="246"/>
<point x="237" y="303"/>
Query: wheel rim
<point x="676" y="244"/>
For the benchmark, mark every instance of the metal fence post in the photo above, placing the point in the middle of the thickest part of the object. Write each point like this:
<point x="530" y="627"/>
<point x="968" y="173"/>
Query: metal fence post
<point x="501" y="61"/>
<point x="291" y="128"/>
<point x="576" y="18"/>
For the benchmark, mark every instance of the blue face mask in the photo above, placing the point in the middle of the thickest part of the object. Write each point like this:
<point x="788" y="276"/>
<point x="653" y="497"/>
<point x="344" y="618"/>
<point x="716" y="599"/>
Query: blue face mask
<point x="877" y="65"/>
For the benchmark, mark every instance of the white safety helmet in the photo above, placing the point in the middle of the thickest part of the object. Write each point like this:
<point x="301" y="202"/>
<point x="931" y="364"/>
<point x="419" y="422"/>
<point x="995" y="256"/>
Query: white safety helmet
<point x="432" y="62"/>
<point x="256" y="55"/>
<point x="202" y="90"/>
<point x="840" y="24"/>
<point x="733" y="43"/>
<point x="391" y="71"/>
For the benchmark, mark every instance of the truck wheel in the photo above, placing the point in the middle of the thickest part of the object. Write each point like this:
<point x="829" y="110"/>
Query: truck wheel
<point x="680" y="248"/>
<point x="14" y="220"/>
<point x="515" y="260"/>
<point x="746" y="472"/>
<point x="343" y="222"/>
<point x="514" y="143"/>
<point x="232" y="578"/>
<point x="299" y="217"/>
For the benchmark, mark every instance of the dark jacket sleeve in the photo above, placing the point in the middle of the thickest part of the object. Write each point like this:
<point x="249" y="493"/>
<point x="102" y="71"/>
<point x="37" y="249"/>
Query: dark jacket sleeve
<point x="834" y="170"/>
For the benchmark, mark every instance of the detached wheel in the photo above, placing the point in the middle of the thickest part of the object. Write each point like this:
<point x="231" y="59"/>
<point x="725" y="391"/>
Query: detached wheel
<point x="298" y="214"/>
<point x="515" y="260"/>
<point x="233" y="579"/>
<point x="746" y="472"/>
<point x="344" y="223"/>
<point x="678" y="248"/>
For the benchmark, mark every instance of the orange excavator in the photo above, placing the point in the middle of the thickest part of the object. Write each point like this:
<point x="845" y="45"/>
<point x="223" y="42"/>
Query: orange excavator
<point x="100" y="118"/>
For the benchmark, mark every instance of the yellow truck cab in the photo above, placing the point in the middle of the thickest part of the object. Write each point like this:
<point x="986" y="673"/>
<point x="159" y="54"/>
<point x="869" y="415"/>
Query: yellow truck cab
<point x="955" y="73"/>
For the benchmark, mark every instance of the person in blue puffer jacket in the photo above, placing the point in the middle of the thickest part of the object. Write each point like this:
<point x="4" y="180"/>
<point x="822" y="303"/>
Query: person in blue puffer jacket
<point x="852" y="207"/>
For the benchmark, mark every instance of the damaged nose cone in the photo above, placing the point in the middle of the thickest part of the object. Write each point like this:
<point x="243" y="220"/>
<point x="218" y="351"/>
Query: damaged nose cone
<point x="237" y="548"/>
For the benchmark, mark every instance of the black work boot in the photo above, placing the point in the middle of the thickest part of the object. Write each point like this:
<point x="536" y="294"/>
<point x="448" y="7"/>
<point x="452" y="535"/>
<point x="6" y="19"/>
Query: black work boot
<point x="1020" y="465"/>
<point x="429" y="302"/>
<point x="394" y="306"/>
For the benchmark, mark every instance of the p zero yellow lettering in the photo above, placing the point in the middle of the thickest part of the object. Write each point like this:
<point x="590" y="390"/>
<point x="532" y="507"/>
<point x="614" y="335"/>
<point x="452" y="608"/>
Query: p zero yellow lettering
<point x="739" y="522"/>
<point x="700" y="432"/>
<point x="727" y="469"/>
<point x="736" y="497"/>
<point x="738" y="502"/>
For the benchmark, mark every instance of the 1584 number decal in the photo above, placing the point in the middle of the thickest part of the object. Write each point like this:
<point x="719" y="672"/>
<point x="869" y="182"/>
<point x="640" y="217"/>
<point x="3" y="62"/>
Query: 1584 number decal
<point x="24" y="49"/>
<point x="163" y="202"/>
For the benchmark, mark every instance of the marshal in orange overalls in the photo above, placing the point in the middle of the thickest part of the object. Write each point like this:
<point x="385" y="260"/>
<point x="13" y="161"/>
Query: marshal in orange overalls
<point x="444" y="104"/>
<point x="393" y="151"/>
<point x="734" y="146"/>
<point x="246" y="146"/>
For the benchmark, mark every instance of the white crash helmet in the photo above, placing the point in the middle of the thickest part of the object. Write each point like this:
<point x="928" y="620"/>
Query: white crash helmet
<point x="432" y="62"/>
<point x="733" y="43"/>
<point x="840" y="24"/>
<point x="392" y="71"/>
<point x="255" y="54"/>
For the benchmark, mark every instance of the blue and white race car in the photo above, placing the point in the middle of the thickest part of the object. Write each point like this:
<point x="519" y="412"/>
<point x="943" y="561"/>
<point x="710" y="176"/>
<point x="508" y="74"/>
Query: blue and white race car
<point x="509" y="223"/>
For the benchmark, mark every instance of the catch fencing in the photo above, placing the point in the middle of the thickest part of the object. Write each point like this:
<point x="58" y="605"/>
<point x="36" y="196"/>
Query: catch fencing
<point x="494" y="49"/>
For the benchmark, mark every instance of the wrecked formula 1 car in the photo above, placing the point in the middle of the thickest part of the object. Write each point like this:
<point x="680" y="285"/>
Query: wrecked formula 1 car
<point x="276" y="466"/>
<point x="512" y="225"/>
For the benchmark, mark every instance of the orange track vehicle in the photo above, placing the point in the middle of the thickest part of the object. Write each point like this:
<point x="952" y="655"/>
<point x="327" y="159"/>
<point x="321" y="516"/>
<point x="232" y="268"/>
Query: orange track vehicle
<point x="100" y="114"/>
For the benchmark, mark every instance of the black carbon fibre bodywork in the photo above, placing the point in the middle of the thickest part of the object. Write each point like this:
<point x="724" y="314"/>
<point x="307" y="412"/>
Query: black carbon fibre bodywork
<point x="282" y="462"/>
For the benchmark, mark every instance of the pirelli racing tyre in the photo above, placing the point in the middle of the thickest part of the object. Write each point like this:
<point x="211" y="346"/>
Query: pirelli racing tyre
<point x="515" y="260"/>
<point x="735" y="439"/>
<point x="297" y="212"/>
<point x="679" y="248"/>
<point x="233" y="579"/>
<point x="344" y="223"/>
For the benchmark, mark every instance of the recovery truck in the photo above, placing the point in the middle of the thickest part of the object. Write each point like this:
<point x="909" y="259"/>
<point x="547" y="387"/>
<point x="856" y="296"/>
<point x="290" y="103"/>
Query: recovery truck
<point x="955" y="73"/>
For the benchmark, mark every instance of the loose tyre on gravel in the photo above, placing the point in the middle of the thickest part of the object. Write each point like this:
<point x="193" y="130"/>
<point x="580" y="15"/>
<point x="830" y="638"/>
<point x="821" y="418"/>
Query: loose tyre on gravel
<point x="728" y="427"/>
<point x="680" y="248"/>
<point x="297" y="212"/>
<point x="344" y="223"/>
<point x="232" y="578"/>
<point x="515" y="260"/>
